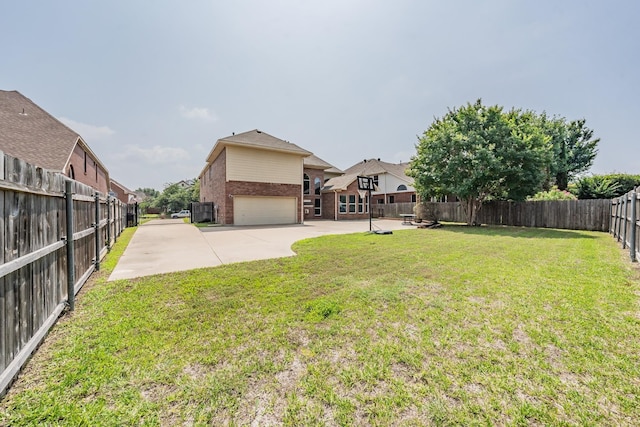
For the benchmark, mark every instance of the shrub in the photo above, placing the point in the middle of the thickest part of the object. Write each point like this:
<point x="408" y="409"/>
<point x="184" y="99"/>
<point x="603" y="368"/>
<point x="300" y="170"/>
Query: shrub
<point x="553" y="194"/>
<point x="605" y="186"/>
<point x="426" y="211"/>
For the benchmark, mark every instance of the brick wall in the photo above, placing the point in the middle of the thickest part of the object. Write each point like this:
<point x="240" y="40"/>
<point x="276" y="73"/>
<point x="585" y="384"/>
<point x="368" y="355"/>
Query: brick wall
<point x="312" y="196"/>
<point x="213" y="185"/>
<point x="329" y="204"/>
<point x="93" y="176"/>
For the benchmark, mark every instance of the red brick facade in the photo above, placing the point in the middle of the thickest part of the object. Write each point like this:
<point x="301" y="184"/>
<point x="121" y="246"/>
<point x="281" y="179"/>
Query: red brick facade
<point x="87" y="170"/>
<point x="349" y="204"/>
<point x="313" y="200"/>
<point x="213" y="187"/>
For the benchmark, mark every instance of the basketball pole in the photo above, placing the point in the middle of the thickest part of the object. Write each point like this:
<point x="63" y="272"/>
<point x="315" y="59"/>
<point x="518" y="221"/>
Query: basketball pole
<point x="370" y="213"/>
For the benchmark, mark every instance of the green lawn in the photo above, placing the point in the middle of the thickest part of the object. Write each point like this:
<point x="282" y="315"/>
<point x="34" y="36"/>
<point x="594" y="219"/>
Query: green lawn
<point x="464" y="326"/>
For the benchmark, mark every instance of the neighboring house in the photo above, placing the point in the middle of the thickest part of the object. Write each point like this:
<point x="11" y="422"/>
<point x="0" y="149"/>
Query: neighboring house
<point x="185" y="183"/>
<point x="343" y="200"/>
<point x="122" y="193"/>
<point x="254" y="178"/>
<point x="30" y="133"/>
<point x="316" y="173"/>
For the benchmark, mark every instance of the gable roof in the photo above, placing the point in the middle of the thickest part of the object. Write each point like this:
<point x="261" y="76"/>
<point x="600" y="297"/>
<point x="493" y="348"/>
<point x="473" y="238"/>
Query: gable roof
<point x="367" y="168"/>
<point x="255" y="139"/>
<point x="124" y="189"/>
<point x="315" y="162"/>
<point x="30" y="133"/>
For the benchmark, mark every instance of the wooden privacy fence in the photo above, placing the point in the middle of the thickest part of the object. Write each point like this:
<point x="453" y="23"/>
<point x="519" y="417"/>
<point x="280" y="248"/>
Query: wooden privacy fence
<point x="625" y="222"/>
<point x="565" y="214"/>
<point x="53" y="233"/>
<point x="391" y="210"/>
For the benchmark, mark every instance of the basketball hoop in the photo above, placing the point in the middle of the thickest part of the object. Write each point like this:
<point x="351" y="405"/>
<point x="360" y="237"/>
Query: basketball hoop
<point x="365" y="183"/>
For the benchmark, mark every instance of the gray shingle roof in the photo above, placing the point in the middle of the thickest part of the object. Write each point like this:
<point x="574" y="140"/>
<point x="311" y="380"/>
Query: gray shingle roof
<point x="31" y="134"/>
<point x="315" y="162"/>
<point x="257" y="139"/>
<point x="367" y="168"/>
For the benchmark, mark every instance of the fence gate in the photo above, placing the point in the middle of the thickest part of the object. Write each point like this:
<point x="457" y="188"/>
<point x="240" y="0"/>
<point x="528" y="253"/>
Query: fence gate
<point x="204" y="212"/>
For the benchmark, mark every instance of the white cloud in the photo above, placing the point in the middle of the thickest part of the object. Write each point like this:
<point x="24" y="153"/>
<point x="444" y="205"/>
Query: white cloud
<point x="197" y="113"/>
<point x="86" y="131"/>
<point x="154" y="155"/>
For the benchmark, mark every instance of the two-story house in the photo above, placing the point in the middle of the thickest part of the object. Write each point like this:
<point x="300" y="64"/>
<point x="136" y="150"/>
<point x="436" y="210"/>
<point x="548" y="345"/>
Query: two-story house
<point x="255" y="178"/>
<point x="30" y="133"/>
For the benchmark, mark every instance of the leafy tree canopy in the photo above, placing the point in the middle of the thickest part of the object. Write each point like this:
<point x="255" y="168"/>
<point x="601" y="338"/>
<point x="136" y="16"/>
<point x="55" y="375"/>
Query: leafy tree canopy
<point x="173" y="198"/>
<point x="574" y="148"/>
<point x="478" y="153"/>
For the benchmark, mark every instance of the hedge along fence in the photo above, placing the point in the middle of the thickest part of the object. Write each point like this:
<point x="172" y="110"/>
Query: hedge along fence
<point x="53" y="233"/>
<point x="625" y="222"/>
<point x="591" y="215"/>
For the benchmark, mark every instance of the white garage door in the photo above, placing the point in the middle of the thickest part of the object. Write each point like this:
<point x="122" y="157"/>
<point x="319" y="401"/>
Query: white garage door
<point x="264" y="210"/>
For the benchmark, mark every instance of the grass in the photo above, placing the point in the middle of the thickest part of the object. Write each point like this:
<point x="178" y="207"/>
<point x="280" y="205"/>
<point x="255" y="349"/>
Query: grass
<point x="455" y="326"/>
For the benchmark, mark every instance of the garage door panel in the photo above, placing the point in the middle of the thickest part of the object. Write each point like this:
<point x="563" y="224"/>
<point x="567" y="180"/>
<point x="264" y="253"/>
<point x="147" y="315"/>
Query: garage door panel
<point x="264" y="210"/>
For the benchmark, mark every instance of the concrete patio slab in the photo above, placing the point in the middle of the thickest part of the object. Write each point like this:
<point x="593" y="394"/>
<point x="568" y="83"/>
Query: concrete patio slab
<point x="169" y="245"/>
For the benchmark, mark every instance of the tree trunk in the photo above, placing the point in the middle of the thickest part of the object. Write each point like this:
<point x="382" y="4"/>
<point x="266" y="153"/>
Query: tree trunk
<point x="562" y="180"/>
<point x="471" y="207"/>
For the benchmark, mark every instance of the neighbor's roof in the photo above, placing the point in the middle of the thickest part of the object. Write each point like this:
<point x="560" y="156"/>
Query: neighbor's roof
<point x="315" y="162"/>
<point x="367" y="168"/>
<point x="255" y="139"/>
<point x="125" y="189"/>
<point x="30" y="133"/>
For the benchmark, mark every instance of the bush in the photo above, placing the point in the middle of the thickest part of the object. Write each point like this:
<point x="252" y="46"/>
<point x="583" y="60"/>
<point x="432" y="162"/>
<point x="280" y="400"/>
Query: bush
<point x="605" y="186"/>
<point x="553" y="194"/>
<point x="426" y="211"/>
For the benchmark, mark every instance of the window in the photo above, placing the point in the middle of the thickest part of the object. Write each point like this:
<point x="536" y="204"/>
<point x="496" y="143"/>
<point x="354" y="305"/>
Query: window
<point x="392" y="199"/>
<point x="413" y="198"/>
<point x="317" y="185"/>
<point x="306" y="184"/>
<point x="375" y="180"/>
<point x="401" y="187"/>
<point x="85" y="162"/>
<point x="317" y="210"/>
<point x="363" y="205"/>
<point x="380" y="201"/>
<point x="72" y="174"/>
<point x="352" y="203"/>
<point x="95" y="165"/>
<point x="342" y="205"/>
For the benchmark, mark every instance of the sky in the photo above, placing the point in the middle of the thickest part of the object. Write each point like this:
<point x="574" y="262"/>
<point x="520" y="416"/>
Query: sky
<point x="151" y="85"/>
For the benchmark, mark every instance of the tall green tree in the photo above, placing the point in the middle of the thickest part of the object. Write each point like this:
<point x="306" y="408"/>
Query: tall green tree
<point x="574" y="148"/>
<point x="176" y="197"/>
<point x="478" y="153"/>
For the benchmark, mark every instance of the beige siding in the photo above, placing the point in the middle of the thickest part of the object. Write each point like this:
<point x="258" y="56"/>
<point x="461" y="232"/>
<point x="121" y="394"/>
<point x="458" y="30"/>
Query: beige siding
<point x="247" y="164"/>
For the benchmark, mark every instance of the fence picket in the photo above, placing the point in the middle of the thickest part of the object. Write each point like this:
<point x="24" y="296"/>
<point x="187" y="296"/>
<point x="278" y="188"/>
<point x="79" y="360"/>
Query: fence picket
<point x="32" y="224"/>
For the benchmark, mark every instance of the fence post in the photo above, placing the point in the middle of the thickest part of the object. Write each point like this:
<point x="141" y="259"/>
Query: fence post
<point x="70" y="246"/>
<point x="624" y="224"/>
<point x="634" y="216"/>
<point x="108" y="223"/>
<point x="96" y="226"/>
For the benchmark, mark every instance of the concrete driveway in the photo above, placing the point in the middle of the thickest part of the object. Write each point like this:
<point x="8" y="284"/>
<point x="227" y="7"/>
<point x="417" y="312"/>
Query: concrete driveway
<point x="168" y="245"/>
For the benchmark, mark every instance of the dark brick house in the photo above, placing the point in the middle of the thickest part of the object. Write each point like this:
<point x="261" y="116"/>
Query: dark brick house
<point x="30" y="133"/>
